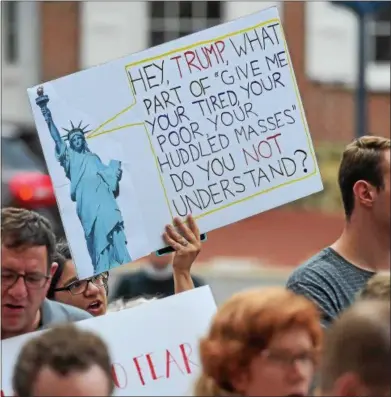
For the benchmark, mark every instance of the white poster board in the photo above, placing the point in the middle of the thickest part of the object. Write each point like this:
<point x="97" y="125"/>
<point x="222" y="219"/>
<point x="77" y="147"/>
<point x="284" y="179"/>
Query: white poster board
<point x="164" y="332"/>
<point x="210" y="124"/>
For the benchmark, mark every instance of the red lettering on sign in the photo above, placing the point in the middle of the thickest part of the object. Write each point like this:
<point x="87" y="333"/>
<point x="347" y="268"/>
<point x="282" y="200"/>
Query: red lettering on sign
<point x="139" y="371"/>
<point x="170" y="359"/>
<point x="115" y="368"/>
<point x="204" y="57"/>
<point x="186" y="356"/>
<point x="152" y="367"/>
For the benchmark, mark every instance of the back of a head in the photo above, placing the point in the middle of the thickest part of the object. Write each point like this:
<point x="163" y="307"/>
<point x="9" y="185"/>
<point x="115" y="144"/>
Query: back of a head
<point x="24" y="228"/>
<point x="356" y="354"/>
<point x="378" y="287"/>
<point x="64" y="350"/>
<point x="362" y="159"/>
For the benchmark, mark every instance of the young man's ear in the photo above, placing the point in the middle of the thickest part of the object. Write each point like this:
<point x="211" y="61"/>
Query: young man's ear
<point x="364" y="193"/>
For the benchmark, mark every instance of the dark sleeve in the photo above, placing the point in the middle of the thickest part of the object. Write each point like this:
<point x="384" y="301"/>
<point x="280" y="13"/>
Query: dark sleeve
<point x="122" y="289"/>
<point x="320" y="297"/>
<point x="198" y="282"/>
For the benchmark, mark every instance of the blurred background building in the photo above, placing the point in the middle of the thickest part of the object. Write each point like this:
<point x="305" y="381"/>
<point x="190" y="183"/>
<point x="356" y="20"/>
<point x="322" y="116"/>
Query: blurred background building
<point x="45" y="40"/>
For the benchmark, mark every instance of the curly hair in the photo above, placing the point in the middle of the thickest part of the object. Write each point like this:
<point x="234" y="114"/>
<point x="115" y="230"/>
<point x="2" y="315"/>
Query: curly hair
<point x="24" y="228"/>
<point x="63" y="349"/>
<point x="244" y="326"/>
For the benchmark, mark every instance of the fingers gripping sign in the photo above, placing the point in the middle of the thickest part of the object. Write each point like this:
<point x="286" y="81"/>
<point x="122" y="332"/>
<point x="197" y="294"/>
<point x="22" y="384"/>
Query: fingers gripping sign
<point x="186" y="242"/>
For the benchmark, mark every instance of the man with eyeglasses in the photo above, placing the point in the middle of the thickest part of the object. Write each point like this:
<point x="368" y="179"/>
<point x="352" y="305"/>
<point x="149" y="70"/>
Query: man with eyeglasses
<point x="89" y="294"/>
<point x="27" y="266"/>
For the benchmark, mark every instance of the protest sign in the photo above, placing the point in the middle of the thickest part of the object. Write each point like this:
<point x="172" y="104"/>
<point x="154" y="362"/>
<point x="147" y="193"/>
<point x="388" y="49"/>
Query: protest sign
<point x="154" y="346"/>
<point x="210" y="124"/>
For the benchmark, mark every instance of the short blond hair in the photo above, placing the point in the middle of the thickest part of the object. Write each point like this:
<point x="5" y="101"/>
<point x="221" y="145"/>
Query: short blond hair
<point x="378" y="287"/>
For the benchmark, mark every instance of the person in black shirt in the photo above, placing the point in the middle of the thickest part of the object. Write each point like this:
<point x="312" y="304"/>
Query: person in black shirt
<point x="154" y="279"/>
<point x="162" y="276"/>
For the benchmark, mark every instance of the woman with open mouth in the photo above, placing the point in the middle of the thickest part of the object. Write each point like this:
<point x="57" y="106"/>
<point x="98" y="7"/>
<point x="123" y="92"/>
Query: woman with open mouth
<point x="91" y="294"/>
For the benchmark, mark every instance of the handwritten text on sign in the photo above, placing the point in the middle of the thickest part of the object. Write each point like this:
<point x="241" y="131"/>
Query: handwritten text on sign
<point x="220" y="119"/>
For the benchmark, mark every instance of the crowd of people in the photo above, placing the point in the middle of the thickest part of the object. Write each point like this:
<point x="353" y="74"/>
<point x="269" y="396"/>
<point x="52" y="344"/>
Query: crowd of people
<point x="326" y="333"/>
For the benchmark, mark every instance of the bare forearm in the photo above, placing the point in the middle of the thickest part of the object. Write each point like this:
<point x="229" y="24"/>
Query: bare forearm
<point x="182" y="282"/>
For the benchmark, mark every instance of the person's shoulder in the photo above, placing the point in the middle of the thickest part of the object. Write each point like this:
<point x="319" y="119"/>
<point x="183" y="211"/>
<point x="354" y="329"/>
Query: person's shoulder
<point x="74" y="313"/>
<point x="316" y="279"/>
<point x="314" y="269"/>
<point x="57" y="312"/>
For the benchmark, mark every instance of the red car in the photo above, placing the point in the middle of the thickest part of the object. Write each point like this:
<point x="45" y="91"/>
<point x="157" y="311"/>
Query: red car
<point x="24" y="178"/>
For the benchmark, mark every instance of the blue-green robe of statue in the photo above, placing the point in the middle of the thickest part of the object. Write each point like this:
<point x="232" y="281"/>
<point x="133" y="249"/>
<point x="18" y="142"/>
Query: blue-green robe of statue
<point x="94" y="187"/>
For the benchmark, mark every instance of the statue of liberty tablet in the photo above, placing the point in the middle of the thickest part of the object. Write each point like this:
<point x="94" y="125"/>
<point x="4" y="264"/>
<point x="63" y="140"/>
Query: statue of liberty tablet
<point x="94" y="187"/>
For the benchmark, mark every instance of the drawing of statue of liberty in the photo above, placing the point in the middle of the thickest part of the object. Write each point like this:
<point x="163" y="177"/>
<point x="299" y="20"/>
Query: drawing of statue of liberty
<point x="94" y="187"/>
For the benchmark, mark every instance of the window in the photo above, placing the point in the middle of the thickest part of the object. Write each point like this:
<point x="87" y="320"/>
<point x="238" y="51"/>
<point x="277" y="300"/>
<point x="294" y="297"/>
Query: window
<point x="9" y="24"/>
<point x="20" y="55"/>
<point x="174" y="19"/>
<point x="331" y="46"/>
<point x="380" y="32"/>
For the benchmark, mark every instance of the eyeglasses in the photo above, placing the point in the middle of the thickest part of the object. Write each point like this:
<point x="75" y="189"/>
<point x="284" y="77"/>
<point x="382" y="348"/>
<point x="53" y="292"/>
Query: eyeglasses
<point x="287" y="359"/>
<point x="31" y="280"/>
<point x="79" y="287"/>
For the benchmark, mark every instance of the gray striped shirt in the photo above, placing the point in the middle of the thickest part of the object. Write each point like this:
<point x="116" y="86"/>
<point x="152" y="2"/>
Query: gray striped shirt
<point x="330" y="281"/>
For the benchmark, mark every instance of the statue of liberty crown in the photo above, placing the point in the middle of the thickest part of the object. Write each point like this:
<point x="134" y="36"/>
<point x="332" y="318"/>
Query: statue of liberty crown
<point x="79" y="129"/>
